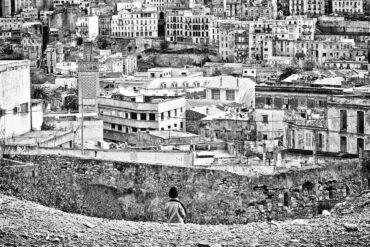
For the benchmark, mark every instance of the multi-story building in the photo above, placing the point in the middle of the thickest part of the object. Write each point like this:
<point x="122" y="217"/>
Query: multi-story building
<point x="60" y="3"/>
<point x="126" y="64"/>
<point x="32" y="49"/>
<point x="143" y="24"/>
<point x="88" y="26"/>
<point x="11" y="23"/>
<point x="348" y="6"/>
<point x="15" y="98"/>
<point x="126" y="113"/>
<point x="272" y="103"/>
<point x="105" y="25"/>
<point x="318" y="51"/>
<point x="53" y="55"/>
<point x="348" y="124"/>
<point x="29" y="13"/>
<point x="187" y="26"/>
<point x="159" y="5"/>
<point x="342" y="127"/>
<point x="228" y="89"/>
<point x="307" y="7"/>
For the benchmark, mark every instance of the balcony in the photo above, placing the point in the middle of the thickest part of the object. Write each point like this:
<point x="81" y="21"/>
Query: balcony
<point x="135" y="106"/>
<point x="140" y="124"/>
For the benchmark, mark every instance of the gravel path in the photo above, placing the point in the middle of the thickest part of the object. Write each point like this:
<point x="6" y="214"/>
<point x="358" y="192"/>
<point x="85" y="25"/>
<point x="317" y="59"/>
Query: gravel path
<point x="23" y="223"/>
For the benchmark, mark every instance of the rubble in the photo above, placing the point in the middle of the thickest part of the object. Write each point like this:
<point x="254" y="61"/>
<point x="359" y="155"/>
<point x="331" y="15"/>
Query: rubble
<point x="36" y="225"/>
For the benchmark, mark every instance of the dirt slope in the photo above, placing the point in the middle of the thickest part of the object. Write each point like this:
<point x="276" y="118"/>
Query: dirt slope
<point x="24" y="223"/>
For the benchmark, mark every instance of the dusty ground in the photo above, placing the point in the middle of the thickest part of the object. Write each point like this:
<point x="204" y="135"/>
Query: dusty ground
<point x="24" y="223"/>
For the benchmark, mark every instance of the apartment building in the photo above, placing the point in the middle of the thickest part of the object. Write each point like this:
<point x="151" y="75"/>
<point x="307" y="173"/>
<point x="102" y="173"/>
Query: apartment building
<point x="135" y="24"/>
<point x="126" y="113"/>
<point x="228" y="89"/>
<point x="318" y="51"/>
<point x="348" y="6"/>
<point x="105" y="25"/>
<point x="187" y="26"/>
<point x="307" y="7"/>
<point x="88" y="26"/>
<point x="343" y="127"/>
<point x="349" y="123"/>
<point x="15" y="98"/>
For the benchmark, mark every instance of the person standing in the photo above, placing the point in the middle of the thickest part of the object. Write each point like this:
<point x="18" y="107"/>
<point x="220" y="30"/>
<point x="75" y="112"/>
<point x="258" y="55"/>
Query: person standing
<point x="175" y="210"/>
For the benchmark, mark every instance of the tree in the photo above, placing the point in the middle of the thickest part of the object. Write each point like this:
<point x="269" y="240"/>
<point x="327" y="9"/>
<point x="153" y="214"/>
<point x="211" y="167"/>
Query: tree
<point x="164" y="45"/>
<point x="71" y="102"/>
<point x="288" y="71"/>
<point x="309" y="65"/>
<point x="217" y="72"/>
<point x="39" y="93"/>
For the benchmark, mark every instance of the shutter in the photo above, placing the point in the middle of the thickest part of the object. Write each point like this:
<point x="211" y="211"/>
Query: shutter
<point x="278" y="103"/>
<point x="260" y="102"/>
<point x="294" y="103"/>
<point x="310" y="103"/>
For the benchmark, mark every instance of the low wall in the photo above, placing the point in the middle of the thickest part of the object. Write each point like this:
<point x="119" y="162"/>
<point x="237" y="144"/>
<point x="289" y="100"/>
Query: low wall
<point x="148" y="157"/>
<point x="122" y="190"/>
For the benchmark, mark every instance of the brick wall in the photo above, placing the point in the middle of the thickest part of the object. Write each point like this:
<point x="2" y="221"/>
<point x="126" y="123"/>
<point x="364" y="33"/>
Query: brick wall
<point x="138" y="191"/>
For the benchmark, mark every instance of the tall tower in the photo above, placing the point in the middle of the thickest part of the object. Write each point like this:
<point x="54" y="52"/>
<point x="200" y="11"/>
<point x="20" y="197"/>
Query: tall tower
<point x="88" y="80"/>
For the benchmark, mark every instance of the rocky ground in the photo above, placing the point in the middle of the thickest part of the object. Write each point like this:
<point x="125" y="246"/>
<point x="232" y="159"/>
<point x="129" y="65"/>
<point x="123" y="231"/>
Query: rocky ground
<point x="24" y="223"/>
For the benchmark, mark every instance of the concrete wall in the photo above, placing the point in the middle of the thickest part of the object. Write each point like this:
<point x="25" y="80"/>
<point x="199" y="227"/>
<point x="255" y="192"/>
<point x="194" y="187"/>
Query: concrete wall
<point x="172" y="158"/>
<point x="139" y="191"/>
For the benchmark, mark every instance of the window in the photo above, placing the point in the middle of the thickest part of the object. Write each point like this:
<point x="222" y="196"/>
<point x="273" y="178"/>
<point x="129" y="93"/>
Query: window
<point x="181" y="125"/>
<point x="268" y="101"/>
<point x="360" y="145"/>
<point x="343" y="120"/>
<point x="133" y="115"/>
<point x="120" y="127"/>
<point x="215" y="94"/>
<point x="265" y="118"/>
<point x="360" y="122"/>
<point x="151" y="116"/>
<point x="113" y="126"/>
<point x="308" y="139"/>
<point x="134" y="129"/>
<point x="143" y="116"/>
<point x="24" y="108"/>
<point x="162" y="116"/>
<point x="343" y="144"/>
<point x="230" y="95"/>
<point x="264" y="137"/>
<point x="320" y="140"/>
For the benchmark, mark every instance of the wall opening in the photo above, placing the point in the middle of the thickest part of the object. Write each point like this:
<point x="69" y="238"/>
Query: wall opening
<point x="308" y="188"/>
<point x="286" y="199"/>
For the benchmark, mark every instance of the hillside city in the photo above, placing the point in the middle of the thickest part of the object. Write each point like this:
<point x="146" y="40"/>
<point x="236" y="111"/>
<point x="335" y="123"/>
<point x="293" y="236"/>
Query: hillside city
<point x="274" y="91"/>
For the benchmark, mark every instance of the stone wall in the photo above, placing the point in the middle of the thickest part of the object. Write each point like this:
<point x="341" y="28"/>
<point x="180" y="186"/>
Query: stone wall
<point x="139" y="191"/>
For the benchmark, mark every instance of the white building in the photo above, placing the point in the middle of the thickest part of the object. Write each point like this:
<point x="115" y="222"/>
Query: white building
<point x="88" y="26"/>
<point x="126" y="113"/>
<point x="143" y="24"/>
<point x="15" y="98"/>
<point x="348" y="6"/>
<point x="228" y="89"/>
<point x="187" y="26"/>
